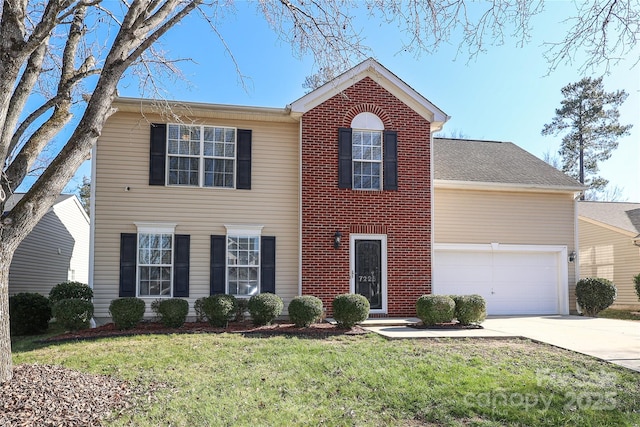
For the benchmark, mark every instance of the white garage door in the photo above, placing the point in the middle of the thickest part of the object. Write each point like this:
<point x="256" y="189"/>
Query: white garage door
<point x="513" y="279"/>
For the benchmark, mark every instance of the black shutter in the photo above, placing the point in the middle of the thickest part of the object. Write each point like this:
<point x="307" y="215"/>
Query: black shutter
<point x="128" y="257"/>
<point x="268" y="264"/>
<point x="243" y="171"/>
<point x="390" y="158"/>
<point x="217" y="278"/>
<point x="344" y="158"/>
<point x="157" y="154"/>
<point x="181" y="265"/>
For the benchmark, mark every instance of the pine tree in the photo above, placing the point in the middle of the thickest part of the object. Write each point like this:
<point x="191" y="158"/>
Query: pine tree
<point x="589" y="119"/>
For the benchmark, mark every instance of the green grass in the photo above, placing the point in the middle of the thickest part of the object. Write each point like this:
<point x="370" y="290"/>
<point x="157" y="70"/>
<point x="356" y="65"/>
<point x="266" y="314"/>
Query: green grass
<point x="612" y="313"/>
<point x="224" y="379"/>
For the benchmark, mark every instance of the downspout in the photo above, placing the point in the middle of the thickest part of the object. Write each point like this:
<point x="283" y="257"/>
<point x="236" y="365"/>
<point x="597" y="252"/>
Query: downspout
<point x="300" y="207"/>
<point x="92" y="219"/>
<point x="576" y="244"/>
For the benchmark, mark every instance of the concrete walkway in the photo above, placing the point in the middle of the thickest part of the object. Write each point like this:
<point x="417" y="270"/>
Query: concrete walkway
<point x="615" y="341"/>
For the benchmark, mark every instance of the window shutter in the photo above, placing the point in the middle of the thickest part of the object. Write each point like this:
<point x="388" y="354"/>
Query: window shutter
<point x="128" y="257"/>
<point x="157" y="154"/>
<point x="344" y="158"/>
<point x="181" y="265"/>
<point x="243" y="171"/>
<point x="390" y="159"/>
<point x="268" y="264"/>
<point x="218" y="276"/>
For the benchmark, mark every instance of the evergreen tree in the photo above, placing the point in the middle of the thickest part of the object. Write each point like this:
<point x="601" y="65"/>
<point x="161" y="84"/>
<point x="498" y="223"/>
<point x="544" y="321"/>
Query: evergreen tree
<point x="589" y="119"/>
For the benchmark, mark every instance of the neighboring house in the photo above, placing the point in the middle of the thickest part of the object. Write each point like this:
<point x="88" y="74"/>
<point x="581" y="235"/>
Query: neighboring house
<point x="332" y="194"/>
<point x="610" y="246"/>
<point x="55" y="251"/>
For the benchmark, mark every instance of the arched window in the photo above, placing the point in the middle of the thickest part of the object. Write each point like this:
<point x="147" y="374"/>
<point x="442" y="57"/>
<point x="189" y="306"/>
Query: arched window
<point x="366" y="151"/>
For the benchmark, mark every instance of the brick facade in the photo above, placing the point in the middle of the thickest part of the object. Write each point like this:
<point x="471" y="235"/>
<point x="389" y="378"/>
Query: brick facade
<point x="403" y="215"/>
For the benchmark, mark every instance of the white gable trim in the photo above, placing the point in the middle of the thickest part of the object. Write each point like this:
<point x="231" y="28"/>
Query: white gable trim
<point x="385" y="78"/>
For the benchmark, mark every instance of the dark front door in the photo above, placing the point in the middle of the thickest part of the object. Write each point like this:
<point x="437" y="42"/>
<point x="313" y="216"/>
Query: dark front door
<point x="368" y="271"/>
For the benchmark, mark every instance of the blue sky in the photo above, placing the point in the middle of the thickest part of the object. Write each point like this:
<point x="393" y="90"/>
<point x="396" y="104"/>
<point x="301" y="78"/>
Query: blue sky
<point x="502" y="94"/>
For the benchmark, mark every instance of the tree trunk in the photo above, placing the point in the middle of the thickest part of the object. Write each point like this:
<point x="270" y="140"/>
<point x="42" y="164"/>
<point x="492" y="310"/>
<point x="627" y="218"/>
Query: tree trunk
<point x="6" y="365"/>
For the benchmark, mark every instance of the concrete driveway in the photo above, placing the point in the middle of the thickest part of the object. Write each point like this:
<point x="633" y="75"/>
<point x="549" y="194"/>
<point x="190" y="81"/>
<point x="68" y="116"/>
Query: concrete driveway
<point x="616" y="341"/>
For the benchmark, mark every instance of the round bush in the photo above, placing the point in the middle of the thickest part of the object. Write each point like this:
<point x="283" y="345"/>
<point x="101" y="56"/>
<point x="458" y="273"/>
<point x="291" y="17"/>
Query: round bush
<point x="127" y="312"/>
<point x="73" y="313"/>
<point x="29" y="313"/>
<point x="219" y="309"/>
<point x="172" y="311"/>
<point x="433" y="309"/>
<point x="305" y="310"/>
<point x="470" y="309"/>
<point x="264" y="308"/>
<point x="636" y="280"/>
<point x="594" y="294"/>
<point x="349" y="309"/>
<point x="68" y="290"/>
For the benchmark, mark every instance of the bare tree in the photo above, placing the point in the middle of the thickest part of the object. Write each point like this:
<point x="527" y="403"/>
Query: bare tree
<point x="64" y="57"/>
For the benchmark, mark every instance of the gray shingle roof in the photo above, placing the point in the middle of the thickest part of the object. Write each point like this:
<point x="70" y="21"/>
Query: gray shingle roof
<point x="625" y="216"/>
<point x="495" y="163"/>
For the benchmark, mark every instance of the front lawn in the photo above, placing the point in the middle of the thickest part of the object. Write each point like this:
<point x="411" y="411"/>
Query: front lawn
<point x="229" y="379"/>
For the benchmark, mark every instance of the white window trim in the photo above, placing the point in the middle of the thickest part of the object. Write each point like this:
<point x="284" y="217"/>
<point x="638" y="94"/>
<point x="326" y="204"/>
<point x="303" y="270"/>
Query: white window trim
<point x="154" y="228"/>
<point x="201" y="157"/>
<point x="241" y="231"/>
<point x="380" y="162"/>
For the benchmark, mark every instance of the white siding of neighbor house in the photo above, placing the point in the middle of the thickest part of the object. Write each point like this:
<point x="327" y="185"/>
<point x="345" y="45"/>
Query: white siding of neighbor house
<point x="55" y="251"/>
<point x="611" y="255"/>
<point x="123" y="196"/>
<point x="507" y="217"/>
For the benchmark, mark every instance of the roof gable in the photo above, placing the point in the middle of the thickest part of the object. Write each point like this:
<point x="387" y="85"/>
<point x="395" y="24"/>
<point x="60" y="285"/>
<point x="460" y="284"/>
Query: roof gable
<point x="495" y="164"/>
<point x="619" y="215"/>
<point x="385" y="78"/>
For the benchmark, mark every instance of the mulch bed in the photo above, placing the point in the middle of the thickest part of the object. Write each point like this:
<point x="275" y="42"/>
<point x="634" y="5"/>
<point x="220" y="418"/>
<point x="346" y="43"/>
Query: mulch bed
<point x="316" y="330"/>
<point x="449" y="325"/>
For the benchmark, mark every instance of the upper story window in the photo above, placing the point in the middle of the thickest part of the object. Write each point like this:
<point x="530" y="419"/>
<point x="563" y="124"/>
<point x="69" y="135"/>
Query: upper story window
<point x="367" y="155"/>
<point x="366" y="151"/>
<point x="201" y="156"/>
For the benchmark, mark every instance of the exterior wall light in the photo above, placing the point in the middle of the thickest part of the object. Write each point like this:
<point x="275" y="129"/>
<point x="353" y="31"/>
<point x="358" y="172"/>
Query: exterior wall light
<point x="572" y="256"/>
<point x="337" y="237"/>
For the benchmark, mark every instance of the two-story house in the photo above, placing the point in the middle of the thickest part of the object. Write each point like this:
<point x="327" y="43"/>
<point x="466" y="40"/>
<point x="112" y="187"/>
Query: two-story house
<point x="335" y="193"/>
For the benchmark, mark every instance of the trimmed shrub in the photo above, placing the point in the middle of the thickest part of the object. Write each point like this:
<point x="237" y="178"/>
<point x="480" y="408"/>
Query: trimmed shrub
<point x="73" y="313"/>
<point x="172" y="311"/>
<point x="636" y="280"/>
<point x="349" y="309"/>
<point x="305" y="310"/>
<point x="197" y="307"/>
<point x="469" y="309"/>
<point x="264" y="308"/>
<point x="433" y="309"/>
<point x="127" y="312"/>
<point x="66" y="290"/>
<point x="29" y="313"/>
<point x="594" y="294"/>
<point x="219" y="309"/>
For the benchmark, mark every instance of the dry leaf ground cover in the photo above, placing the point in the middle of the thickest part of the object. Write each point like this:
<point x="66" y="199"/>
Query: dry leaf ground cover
<point x="210" y="379"/>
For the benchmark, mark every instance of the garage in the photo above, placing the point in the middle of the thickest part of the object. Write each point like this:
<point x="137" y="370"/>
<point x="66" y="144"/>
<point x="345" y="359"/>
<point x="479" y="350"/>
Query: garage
<point x="513" y="279"/>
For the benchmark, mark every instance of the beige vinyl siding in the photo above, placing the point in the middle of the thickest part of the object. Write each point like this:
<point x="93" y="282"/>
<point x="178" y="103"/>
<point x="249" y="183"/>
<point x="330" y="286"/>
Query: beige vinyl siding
<point x="58" y="243"/>
<point x="611" y="255"/>
<point x="123" y="197"/>
<point x="506" y="217"/>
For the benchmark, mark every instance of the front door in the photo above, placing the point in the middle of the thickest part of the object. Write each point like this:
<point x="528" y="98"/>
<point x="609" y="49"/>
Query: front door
<point x="368" y="256"/>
